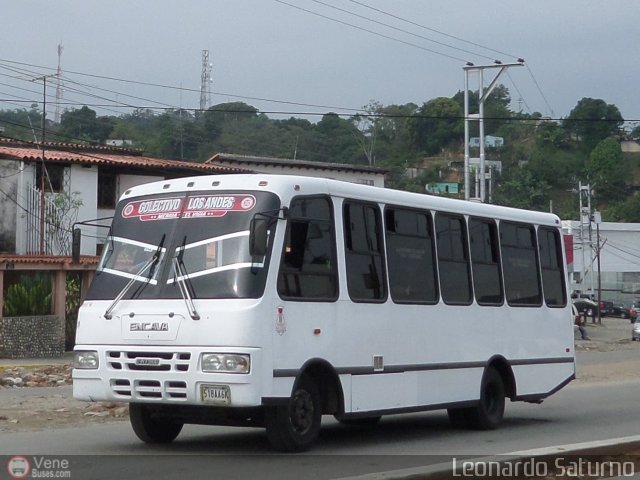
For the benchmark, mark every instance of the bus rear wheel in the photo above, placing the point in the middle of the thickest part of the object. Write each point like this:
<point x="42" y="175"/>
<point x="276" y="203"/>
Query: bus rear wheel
<point x="295" y="426"/>
<point x="488" y="414"/>
<point x="151" y="428"/>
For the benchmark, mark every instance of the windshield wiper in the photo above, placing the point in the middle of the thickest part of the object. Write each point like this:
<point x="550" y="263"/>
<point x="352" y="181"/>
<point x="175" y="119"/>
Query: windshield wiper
<point x="180" y="277"/>
<point x="108" y="253"/>
<point x="152" y="261"/>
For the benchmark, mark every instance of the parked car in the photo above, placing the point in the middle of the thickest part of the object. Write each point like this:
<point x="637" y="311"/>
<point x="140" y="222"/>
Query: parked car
<point x="635" y="331"/>
<point x="586" y="307"/>
<point x="622" y="311"/>
<point x="618" y="310"/>
<point x="606" y="307"/>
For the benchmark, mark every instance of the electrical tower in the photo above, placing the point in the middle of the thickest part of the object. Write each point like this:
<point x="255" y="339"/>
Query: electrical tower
<point x="483" y="93"/>
<point x="58" y="85"/>
<point x="205" y="84"/>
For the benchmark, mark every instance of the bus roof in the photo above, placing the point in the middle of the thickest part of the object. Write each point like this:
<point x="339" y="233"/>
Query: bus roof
<point x="288" y="186"/>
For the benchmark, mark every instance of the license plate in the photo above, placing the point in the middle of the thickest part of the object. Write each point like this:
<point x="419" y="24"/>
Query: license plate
<point x="216" y="394"/>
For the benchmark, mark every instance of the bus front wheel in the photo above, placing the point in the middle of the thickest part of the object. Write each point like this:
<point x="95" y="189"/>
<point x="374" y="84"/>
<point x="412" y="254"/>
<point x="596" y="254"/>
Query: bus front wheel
<point x="488" y="414"/>
<point x="295" y="426"/>
<point x="151" y="428"/>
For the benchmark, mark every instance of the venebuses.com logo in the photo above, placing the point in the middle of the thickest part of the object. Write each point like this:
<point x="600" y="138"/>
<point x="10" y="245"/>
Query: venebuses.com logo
<point x="38" y="467"/>
<point x="18" y="467"/>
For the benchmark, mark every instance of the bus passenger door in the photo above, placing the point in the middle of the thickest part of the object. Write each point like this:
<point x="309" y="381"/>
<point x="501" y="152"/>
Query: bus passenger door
<point x="307" y="284"/>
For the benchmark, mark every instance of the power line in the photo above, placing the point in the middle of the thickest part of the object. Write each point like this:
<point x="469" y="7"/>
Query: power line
<point x="544" y="98"/>
<point x="431" y="29"/>
<point x="388" y="37"/>
<point x="401" y="30"/>
<point x="344" y="114"/>
<point x="518" y="90"/>
<point x="185" y="89"/>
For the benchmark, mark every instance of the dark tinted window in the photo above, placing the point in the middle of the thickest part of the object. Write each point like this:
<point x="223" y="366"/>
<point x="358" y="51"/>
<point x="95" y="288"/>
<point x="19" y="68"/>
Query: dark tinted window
<point x="485" y="258"/>
<point x="363" y="251"/>
<point x="107" y="182"/>
<point x="308" y="267"/>
<point x="410" y="256"/>
<point x="453" y="259"/>
<point x="520" y="264"/>
<point x="553" y="281"/>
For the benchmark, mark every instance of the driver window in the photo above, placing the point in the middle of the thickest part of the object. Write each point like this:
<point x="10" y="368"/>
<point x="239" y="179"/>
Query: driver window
<point x="308" y="267"/>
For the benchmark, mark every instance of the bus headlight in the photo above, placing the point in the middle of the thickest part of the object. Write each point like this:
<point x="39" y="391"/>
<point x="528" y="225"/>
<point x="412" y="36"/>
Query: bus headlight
<point x="225" y="363"/>
<point x="86" y="360"/>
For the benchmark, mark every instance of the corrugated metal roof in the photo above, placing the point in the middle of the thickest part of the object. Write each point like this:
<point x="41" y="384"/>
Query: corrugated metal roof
<point x="222" y="159"/>
<point x="112" y="156"/>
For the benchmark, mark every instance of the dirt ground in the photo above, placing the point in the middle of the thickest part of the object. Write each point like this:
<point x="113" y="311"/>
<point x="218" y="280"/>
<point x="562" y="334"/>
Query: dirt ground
<point x="37" y="398"/>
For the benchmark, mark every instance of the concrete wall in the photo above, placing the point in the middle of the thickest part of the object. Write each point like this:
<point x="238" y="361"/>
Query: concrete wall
<point x="619" y="259"/>
<point x="127" y="181"/>
<point x="9" y="173"/>
<point x="31" y="337"/>
<point x="84" y="180"/>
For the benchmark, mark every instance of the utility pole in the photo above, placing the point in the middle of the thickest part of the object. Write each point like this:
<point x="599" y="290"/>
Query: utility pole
<point x="597" y="219"/>
<point x="585" y="229"/>
<point x="56" y="118"/>
<point x="43" y="173"/>
<point x="483" y="93"/>
<point x="205" y="81"/>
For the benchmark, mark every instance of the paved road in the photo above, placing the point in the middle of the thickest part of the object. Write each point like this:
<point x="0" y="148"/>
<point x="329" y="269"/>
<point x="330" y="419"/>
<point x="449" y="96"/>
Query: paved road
<point x="578" y="413"/>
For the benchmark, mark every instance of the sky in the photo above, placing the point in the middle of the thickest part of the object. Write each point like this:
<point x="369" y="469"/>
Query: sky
<point x="328" y="60"/>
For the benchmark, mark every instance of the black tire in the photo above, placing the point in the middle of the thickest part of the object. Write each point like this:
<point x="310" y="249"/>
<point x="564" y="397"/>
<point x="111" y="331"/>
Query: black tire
<point x="488" y="414"/>
<point x="295" y="427"/>
<point x="359" y="422"/>
<point x="151" y="428"/>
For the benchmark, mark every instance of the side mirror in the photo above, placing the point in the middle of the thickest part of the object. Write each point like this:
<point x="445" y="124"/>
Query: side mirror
<point x="75" y="245"/>
<point x="258" y="236"/>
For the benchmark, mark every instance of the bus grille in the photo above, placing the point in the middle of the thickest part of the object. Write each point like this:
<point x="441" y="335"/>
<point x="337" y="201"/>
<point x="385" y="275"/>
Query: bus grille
<point x="149" y="389"/>
<point x="149" y="361"/>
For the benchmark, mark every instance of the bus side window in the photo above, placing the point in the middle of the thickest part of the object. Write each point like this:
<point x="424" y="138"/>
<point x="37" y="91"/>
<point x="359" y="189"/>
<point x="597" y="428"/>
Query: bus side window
<point x="363" y="252"/>
<point x="553" y="284"/>
<point x="308" y="268"/>
<point x="485" y="258"/>
<point x="453" y="259"/>
<point x="520" y="263"/>
<point x="410" y="256"/>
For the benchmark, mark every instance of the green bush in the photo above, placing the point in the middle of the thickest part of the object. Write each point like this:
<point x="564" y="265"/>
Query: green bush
<point x="30" y="297"/>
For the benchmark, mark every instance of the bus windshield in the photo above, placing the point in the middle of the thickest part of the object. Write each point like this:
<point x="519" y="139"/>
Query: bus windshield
<point x="200" y="240"/>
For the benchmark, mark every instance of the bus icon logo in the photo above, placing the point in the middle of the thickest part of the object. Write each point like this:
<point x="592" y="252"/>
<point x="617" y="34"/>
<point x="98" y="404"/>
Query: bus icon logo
<point x="18" y="467"/>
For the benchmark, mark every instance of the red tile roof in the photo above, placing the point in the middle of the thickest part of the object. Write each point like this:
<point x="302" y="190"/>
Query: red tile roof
<point x="97" y="155"/>
<point x="11" y="262"/>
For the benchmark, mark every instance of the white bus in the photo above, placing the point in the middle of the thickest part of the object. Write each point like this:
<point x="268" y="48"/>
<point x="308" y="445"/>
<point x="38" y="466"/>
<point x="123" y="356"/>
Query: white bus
<point x="268" y="300"/>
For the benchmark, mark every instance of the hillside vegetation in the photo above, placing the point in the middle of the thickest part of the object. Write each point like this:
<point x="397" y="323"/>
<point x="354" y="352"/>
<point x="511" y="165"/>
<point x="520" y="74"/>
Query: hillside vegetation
<point x="543" y="160"/>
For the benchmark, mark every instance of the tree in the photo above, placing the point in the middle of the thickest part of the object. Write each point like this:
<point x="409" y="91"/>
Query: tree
<point x="84" y="125"/>
<point x="520" y="188"/>
<point x="232" y="112"/>
<point x="437" y="124"/>
<point x="21" y="123"/>
<point x="496" y="108"/>
<point x="606" y="172"/>
<point x="627" y="211"/>
<point x="593" y="120"/>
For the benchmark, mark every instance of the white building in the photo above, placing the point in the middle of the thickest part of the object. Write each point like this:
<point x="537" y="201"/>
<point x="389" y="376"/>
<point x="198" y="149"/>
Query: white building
<point x="489" y="141"/>
<point x="619" y="259"/>
<point x="82" y="183"/>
